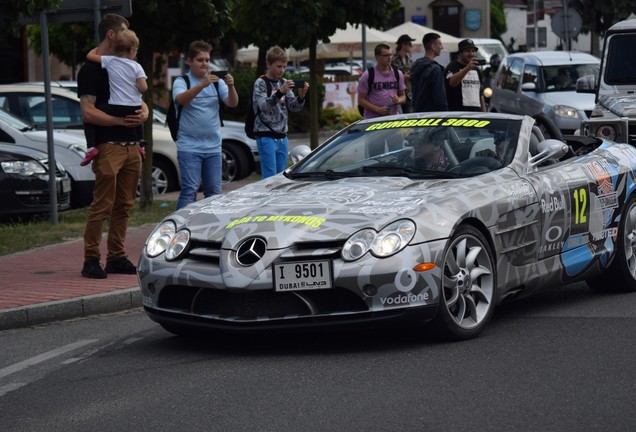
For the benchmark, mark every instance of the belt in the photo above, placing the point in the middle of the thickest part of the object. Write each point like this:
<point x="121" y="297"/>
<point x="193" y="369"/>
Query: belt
<point x="124" y="143"/>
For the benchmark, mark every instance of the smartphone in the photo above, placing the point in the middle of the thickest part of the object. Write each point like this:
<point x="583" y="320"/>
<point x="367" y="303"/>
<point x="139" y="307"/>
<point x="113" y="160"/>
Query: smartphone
<point x="220" y="74"/>
<point x="299" y="84"/>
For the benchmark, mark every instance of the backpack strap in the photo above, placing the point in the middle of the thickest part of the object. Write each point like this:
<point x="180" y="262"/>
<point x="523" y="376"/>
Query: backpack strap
<point x="180" y="107"/>
<point x="371" y="73"/>
<point x="216" y="87"/>
<point x="370" y="79"/>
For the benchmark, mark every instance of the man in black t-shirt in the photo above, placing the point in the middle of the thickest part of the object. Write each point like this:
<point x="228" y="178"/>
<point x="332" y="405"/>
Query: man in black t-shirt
<point x="463" y="80"/>
<point x="116" y="162"/>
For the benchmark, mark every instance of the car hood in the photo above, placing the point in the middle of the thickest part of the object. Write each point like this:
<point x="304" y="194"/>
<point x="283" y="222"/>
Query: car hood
<point x="622" y="106"/>
<point x="580" y="101"/>
<point x="61" y="138"/>
<point x="286" y="212"/>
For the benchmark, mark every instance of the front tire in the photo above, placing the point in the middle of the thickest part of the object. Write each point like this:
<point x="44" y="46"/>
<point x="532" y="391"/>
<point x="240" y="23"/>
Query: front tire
<point x="620" y="276"/>
<point x="469" y="283"/>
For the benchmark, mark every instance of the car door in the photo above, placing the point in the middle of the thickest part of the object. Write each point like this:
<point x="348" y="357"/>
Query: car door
<point x="528" y="91"/>
<point x="578" y="201"/>
<point x="504" y="98"/>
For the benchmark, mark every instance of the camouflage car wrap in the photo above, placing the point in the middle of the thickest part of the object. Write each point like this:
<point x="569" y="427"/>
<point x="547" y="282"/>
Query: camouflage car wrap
<point x="541" y="224"/>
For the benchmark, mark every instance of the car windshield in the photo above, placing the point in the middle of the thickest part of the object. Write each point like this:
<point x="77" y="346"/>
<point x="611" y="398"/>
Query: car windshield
<point x="422" y="148"/>
<point x="563" y="77"/>
<point x="621" y="60"/>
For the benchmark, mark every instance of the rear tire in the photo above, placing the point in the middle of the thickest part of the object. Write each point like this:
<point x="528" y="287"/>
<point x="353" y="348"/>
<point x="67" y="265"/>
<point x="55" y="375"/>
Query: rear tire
<point x="620" y="276"/>
<point x="235" y="163"/>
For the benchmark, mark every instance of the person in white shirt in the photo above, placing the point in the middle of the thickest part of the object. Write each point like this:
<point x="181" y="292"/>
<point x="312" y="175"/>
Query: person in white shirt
<point x="126" y="77"/>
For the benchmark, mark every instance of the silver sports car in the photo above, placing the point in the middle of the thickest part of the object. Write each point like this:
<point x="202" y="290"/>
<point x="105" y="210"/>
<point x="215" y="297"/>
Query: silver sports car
<point x="428" y="218"/>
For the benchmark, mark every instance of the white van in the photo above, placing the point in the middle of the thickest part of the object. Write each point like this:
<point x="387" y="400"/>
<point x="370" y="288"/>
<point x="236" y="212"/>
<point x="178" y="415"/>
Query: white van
<point x="488" y="47"/>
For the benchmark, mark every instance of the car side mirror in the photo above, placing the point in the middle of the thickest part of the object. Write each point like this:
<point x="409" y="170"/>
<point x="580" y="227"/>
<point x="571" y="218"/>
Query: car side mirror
<point x="529" y="86"/>
<point x="548" y="151"/>
<point x="586" y="84"/>
<point x="299" y="152"/>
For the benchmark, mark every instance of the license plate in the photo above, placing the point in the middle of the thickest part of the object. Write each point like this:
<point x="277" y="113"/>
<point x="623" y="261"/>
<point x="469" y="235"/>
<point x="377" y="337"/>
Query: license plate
<point x="299" y="276"/>
<point x="66" y="185"/>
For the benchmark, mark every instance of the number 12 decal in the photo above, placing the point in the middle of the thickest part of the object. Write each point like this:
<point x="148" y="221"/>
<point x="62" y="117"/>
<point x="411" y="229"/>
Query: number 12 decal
<point x="580" y="206"/>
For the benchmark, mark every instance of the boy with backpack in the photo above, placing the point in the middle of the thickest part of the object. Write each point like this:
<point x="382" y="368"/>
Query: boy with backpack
<point x="199" y="135"/>
<point x="381" y="90"/>
<point x="272" y="98"/>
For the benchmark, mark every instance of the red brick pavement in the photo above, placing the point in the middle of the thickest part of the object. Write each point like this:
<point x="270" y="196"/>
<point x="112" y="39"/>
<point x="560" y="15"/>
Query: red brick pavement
<point x="52" y="273"/>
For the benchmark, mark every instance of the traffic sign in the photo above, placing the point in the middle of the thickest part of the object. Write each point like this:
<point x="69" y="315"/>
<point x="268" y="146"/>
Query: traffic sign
<point x="566" y="24"/>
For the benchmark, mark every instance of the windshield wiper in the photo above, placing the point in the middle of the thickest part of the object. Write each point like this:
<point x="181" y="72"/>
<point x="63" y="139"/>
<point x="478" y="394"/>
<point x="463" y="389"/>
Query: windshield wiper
<point x="329" y="174"/>
<point x="433" y="173"/>
<point x="408" y="171"/>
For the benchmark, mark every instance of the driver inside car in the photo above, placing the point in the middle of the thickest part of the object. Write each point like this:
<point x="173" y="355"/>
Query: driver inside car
<point x="428" y="153"/>
<point x="501" y="147"/>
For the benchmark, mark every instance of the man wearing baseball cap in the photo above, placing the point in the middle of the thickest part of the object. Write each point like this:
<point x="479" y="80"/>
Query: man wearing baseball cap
<point x="402" y="60"/>
<point x="463" y="80"/>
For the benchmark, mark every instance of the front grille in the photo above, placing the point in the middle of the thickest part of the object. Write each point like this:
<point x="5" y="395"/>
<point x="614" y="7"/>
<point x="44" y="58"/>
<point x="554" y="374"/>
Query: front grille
<point x="252" y="305"/>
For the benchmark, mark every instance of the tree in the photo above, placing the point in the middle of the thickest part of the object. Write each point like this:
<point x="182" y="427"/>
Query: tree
<point x="302" y="24"/>
<point x="598" y="17"/>
<point x="162" y="26"/>
<point x="11" y="11"/>
<point x="497" y="19"/>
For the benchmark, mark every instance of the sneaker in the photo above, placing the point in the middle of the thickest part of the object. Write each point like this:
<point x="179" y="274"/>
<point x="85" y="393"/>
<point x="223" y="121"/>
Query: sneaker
<point x="93" y="269"/>
<point x="120" y="265"/>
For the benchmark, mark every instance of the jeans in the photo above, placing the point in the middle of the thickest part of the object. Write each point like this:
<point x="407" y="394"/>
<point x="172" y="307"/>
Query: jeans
<point x="116" y="169"/>
<point x="197" y="167"/>
<point x="273" y="155"/>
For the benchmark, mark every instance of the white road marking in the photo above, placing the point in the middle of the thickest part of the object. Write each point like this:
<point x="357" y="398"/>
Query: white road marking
<point x="43" y="357"/>
<point x="10" y="387"/>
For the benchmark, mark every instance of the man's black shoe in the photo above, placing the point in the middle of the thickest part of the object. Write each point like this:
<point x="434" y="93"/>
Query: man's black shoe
<point x="92" y="269"/>
<point x="120" y="265"/>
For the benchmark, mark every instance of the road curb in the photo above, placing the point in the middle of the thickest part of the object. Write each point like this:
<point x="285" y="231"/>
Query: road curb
<point x="78" y="307"/>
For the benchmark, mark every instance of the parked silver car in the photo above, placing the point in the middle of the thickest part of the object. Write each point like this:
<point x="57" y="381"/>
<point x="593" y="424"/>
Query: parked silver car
<point x="69" y="150"/>
<point x="26" y="100"/>
<point x="543" y="84"/>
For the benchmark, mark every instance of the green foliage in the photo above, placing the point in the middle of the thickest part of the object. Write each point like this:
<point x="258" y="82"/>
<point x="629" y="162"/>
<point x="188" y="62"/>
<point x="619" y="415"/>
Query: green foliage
<point x="337" y="118"/>
<point x="11" y="11"/>
<point x="70" y="41"/>
<point x="497" y="19"/>
<point x="598" y="16"/>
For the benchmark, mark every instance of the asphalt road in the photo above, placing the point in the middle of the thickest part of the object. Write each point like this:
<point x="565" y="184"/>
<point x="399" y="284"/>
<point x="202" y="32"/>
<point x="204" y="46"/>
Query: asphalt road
<point x="562" y="361"/>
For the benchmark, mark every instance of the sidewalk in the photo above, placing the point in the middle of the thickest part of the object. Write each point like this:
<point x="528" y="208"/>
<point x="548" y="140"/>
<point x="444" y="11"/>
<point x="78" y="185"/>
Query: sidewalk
<point x="44" y="284"/>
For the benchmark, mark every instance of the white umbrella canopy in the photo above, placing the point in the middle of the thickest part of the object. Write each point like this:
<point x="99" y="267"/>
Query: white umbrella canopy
<point x="343" y="43"/>
<point x="417" y="32"/>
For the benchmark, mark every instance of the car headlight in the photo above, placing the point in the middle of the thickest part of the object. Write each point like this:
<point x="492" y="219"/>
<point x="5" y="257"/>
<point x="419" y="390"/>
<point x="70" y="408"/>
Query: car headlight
<point x="606" y="132"/>
<point x="390" y="240"/>
<point x="160" y="239"/>
<point x="26" y="167"/>
<point x="178" y="244"/>
<point x="565" y="111"/>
